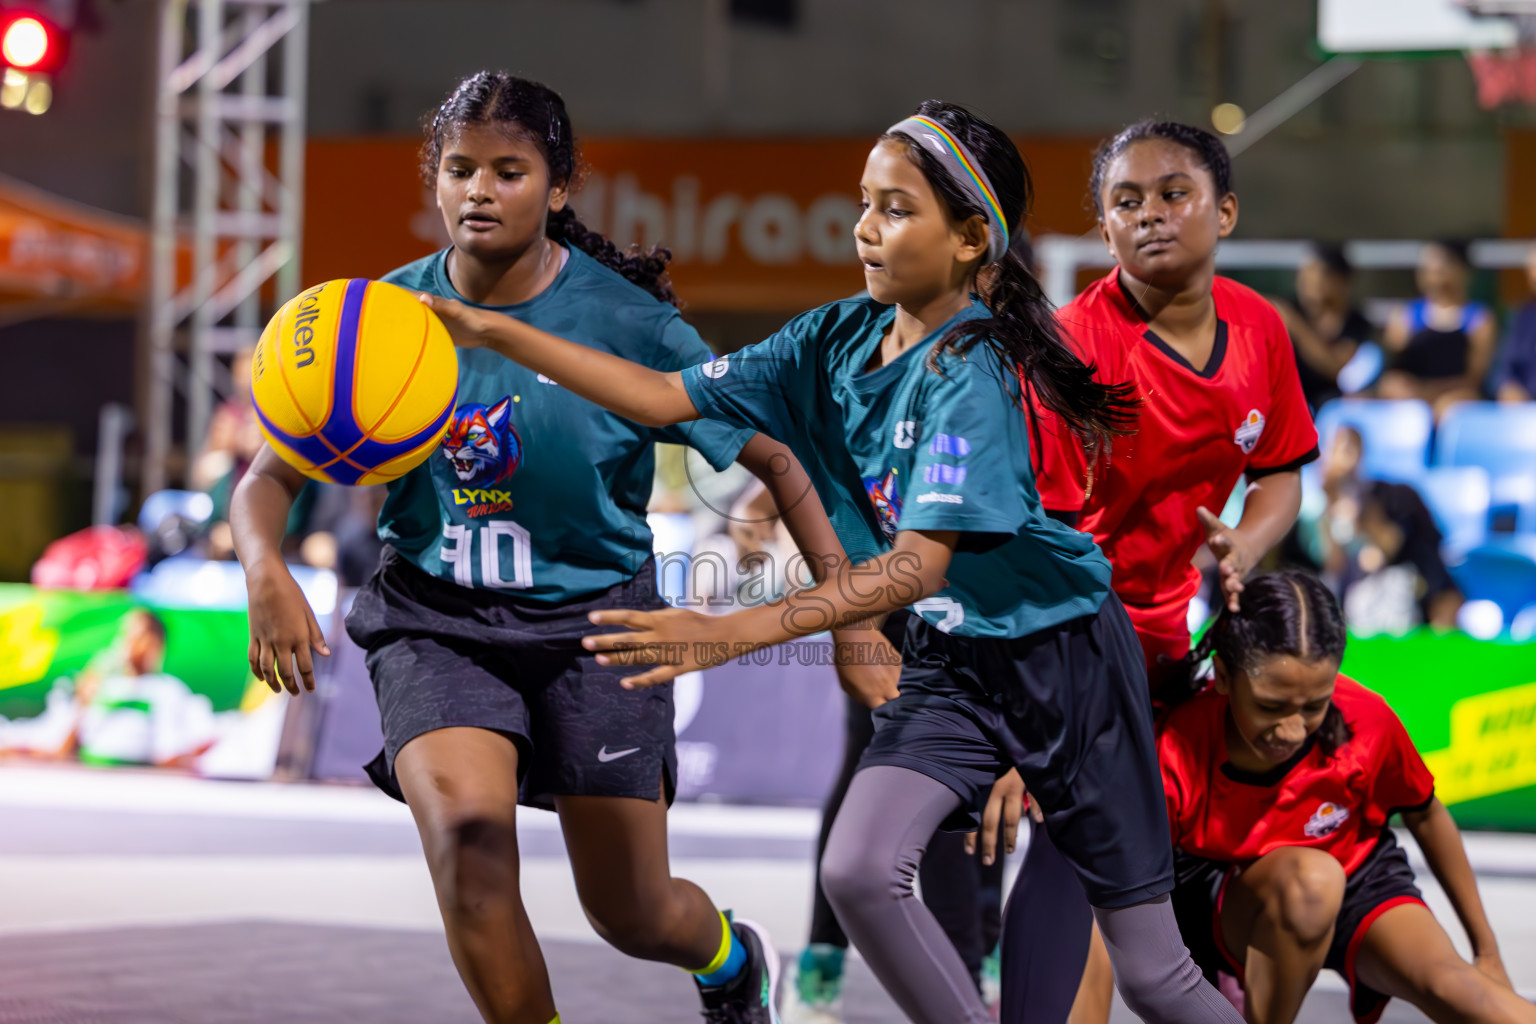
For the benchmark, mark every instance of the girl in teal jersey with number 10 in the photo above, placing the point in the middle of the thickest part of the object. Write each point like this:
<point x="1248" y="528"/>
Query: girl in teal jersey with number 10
<point x="1015" y="653"/>
<point x="530" y="517"/>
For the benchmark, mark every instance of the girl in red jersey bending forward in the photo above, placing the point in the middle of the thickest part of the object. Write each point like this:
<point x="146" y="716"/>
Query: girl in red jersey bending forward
<point x="1280" y="781"/>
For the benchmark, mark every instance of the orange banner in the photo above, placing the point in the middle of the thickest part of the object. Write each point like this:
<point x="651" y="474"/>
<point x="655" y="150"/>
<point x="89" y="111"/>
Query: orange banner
<point x="56" y="252"/>
<point x="752" y="224"/>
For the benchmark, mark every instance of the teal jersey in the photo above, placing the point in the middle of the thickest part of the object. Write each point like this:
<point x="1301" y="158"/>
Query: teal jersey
<point x="904" y="447"/>
<point x="535" y="491"/>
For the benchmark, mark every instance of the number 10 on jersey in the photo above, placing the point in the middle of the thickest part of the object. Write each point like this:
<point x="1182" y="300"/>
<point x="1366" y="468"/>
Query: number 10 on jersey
<point x="504" y="546"/>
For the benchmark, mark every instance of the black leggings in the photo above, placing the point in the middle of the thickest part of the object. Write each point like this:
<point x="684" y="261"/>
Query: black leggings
<point x="964" y="894"/>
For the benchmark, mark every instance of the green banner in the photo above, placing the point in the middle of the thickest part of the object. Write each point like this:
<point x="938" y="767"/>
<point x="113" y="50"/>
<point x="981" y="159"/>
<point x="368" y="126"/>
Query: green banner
<point x="1470" y="706"/>
<point x="46" y="634"/>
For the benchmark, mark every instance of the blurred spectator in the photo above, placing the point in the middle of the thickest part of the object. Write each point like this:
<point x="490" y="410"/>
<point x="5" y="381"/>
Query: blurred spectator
<point x="139" y="714"/>
<point x="122" y="708"/>
<point x="234" y="437"/>
<point x="1380" y="547"/>
<point x="233" y="440"/>
<point x="342" y="532"/>
<point x="1440" y="347"/>
<point x="1324" y="324"/>
<point x="1516" y="379"/>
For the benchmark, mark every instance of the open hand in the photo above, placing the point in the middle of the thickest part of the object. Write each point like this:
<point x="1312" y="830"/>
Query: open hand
<point x="283" y="630"/>
<point x="1233" y="557"/>
<point x="672" y="640"/>
<point x="469" y="326"/>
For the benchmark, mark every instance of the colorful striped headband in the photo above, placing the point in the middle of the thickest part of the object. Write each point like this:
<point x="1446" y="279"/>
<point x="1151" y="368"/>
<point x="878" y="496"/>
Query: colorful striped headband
<point x="966" y="172"/>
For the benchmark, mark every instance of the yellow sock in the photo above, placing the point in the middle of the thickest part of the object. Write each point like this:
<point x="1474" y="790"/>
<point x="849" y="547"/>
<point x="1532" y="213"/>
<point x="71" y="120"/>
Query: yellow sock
<point x="724" y="951"/>
<point x="728" y="960"/>
<point x="556" y="1020"/>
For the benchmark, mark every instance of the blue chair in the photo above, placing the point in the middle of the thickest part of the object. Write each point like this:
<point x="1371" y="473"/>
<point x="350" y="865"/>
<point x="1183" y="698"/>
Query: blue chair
<point x="1523" y="627"/>
<point x="1459" y="497"/>
<point x="1395" y="435"/>
<point x="1503" y="572"/>
<point x="1514" y="503"/>
<point x="1499" y="437"/>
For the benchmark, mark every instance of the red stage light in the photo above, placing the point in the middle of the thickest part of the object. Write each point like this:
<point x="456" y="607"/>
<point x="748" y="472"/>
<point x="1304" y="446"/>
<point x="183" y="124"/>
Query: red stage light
<point x="26" y="44"/>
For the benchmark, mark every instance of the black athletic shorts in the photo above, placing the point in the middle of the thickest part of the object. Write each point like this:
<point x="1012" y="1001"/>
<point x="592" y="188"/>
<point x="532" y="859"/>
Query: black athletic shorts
<point x="1383" y="881"/>
<point x="441" y="655"/>
<point x="1067" y="706"/>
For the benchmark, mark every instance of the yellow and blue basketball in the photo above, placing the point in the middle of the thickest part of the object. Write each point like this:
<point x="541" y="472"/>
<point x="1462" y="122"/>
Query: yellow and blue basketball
<point x="354" y="382"/>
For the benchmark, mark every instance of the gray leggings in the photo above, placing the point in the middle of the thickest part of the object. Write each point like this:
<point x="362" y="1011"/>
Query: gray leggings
<point x="872" y="856"/>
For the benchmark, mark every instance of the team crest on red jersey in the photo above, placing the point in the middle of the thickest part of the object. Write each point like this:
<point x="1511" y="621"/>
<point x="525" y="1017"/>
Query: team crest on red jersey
<point x="1249" y="430"/>
<point x="1325" y="821"/>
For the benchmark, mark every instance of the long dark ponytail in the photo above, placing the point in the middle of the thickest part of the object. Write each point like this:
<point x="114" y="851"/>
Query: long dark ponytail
<point x="537" y="113"/>
<point x="1022" y="326"/>
<point x="1279" y="613"/>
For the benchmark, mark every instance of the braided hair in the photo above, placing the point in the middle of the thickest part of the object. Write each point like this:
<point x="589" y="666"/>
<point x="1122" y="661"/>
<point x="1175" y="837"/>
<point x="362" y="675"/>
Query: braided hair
<point x="1022" y="326"/>
<point x="536" y="113"/>
<point x="1211" y="151"/>
<point x="1279" y="613"/>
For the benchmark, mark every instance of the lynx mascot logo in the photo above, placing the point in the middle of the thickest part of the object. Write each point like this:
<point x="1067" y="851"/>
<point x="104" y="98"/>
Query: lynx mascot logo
<point x="481" y="444"/>
<point x="885" y="497"/>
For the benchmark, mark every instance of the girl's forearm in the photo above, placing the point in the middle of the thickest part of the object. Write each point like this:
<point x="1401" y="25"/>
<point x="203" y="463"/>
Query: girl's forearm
<point x="259" y="507"/>
<point x="1485" y="343"/>
<point x="636" y="392"/>
<point x="851" y="593"/>
<point x="794" y="499"/>
<point x="1437" y="835"/>
<point x="1269" y="510"/>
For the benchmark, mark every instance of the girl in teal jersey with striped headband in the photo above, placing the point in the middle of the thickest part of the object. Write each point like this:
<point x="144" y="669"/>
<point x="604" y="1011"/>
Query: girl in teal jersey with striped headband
<point x="1016" y="655"/>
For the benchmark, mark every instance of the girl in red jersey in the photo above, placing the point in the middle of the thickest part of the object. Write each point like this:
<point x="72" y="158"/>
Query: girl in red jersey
<point x="1220" y="401"/>
<point x="1280" y="780"/>
<point x="1216" y="374"/>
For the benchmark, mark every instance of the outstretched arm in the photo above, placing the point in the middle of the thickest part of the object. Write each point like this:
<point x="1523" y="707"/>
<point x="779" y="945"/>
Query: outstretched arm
<point x="794" y="497"/>
<point x="1437" y="835"/>
<point x="677" y="641"/>
<point x="1268" y="512"/>
<point x="648" y="397"/>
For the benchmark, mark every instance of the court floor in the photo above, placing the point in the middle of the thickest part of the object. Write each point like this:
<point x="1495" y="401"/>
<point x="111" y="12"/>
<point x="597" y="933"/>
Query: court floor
<point x="136" y="897"/>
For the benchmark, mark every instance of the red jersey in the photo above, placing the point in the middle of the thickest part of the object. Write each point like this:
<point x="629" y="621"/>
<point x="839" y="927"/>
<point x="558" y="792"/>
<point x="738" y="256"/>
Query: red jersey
<point x="1197" y="432"/>
<point x="1338" y="804"/>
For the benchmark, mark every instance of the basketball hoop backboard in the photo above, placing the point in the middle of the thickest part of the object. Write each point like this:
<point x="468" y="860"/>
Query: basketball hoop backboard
<point x="1382" y="28"/>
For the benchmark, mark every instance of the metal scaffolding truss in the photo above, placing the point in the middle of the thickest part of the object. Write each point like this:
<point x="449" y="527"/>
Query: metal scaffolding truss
<point x="228" y="204"/>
